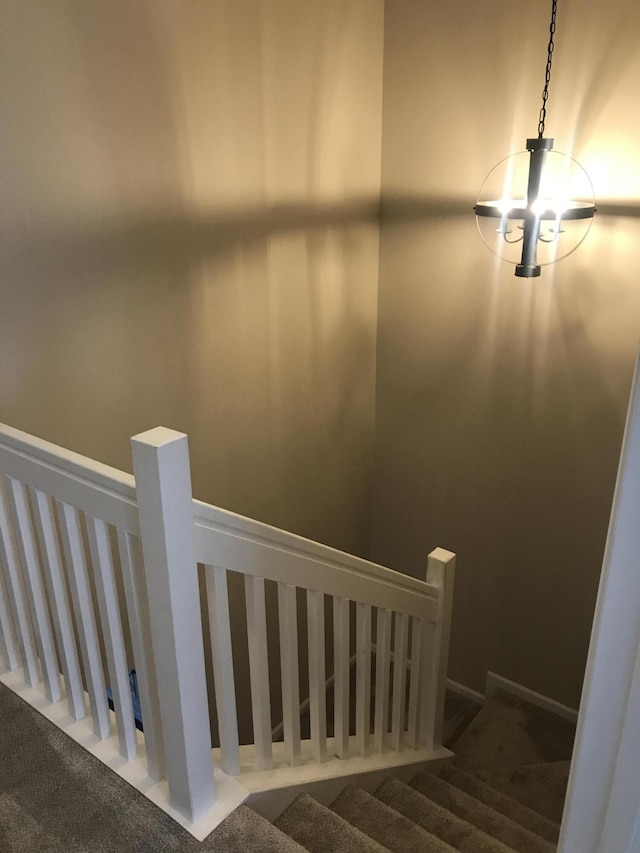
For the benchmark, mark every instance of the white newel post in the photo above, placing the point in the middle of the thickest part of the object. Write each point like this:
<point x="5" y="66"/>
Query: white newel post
<point x="165" y="506"/>
<point x="441" y="566"/>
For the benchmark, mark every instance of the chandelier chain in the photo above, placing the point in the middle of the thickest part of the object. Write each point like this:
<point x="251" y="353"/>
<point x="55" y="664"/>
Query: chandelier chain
<point x="547" y="74"/>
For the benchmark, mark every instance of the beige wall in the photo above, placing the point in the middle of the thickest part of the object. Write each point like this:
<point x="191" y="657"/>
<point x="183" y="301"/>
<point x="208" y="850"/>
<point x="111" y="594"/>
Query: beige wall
<point x="188" y="237"/>
<point x="188" y="227"/>
<point x="501" y="401"/>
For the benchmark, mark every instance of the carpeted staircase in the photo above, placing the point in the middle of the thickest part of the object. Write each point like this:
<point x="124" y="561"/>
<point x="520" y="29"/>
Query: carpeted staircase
<point x="504" y="792"/>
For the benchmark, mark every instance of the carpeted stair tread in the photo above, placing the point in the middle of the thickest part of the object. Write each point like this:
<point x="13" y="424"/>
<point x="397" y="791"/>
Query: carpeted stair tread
<point x="479" y="814"/>
<point x="509" y="731"/>
<point x="458" y="833"/>
<point x="244" y="830"/>
<point x="319" y="830"/>
<point x="501" y="802"/>
<point x="392" y="830"/>
<point x="542" y="787"/>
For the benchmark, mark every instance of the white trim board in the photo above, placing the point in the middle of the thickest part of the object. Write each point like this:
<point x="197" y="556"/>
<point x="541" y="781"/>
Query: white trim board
<point x="467" y="692"/>
<point x="282" y="775"/>
<point x="498" y="682"/>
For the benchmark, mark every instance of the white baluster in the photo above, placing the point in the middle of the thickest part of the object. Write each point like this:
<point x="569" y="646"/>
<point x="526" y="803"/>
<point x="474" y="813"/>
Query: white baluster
<point x="363" y="677"/>
<point x="415" y="675"/>
<point x="317" y="675"/>
<point x="8" y="654"/>
<point x="104" y="576"/>
<point x="10" y="641"/>
<point x="341" y="676"/>
<point x="383" y="666"/>
<point x="76" y="562"/>
<point x="287" y="610"/>
<point x="135" y="592"/>
<point x="54" y="578"/>
<point x="27" y="549"/>
<point x="399" y="680"/>
<point x="222" y="656"/>
<point x="259" y="670"/>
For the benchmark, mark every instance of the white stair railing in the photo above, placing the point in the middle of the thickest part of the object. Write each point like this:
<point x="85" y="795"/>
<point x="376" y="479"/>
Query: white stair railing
<point x="99" y="575"/>
<point x="351" y="597"/>
<point x="71" y="566"/>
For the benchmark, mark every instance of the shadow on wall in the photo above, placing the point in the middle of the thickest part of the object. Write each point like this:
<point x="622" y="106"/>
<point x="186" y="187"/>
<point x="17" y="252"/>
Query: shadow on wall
<point x="500" y="402"/>
<point x="126" y="243"/>
<point x="189" y="237"/>
<point x="601" y="46"/>
<point x="252" y="332"/>
<point x="500" y="408"/>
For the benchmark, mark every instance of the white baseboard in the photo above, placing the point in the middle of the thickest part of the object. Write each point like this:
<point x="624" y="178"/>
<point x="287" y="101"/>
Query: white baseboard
<point x="463" y="690"/>
<point x="498" y="682"/>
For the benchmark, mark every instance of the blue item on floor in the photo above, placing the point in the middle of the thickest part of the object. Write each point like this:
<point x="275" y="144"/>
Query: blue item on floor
<point x="135" y="699"/>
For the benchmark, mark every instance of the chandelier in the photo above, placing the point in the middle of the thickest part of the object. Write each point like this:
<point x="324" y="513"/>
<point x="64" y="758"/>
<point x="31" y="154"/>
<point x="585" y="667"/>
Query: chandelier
<point x="541" y="202"/>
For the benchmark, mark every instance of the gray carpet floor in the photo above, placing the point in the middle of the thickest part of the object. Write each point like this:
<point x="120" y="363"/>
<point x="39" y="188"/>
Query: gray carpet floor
<point x="55" y="796"/>
<point x="503" y="793"/>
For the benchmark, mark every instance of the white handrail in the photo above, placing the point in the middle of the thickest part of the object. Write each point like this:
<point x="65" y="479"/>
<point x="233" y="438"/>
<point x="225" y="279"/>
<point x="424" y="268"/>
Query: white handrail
<point x="109" y="494"/>
<point x="250" y="547"/>
<point x="97" y="489"/>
